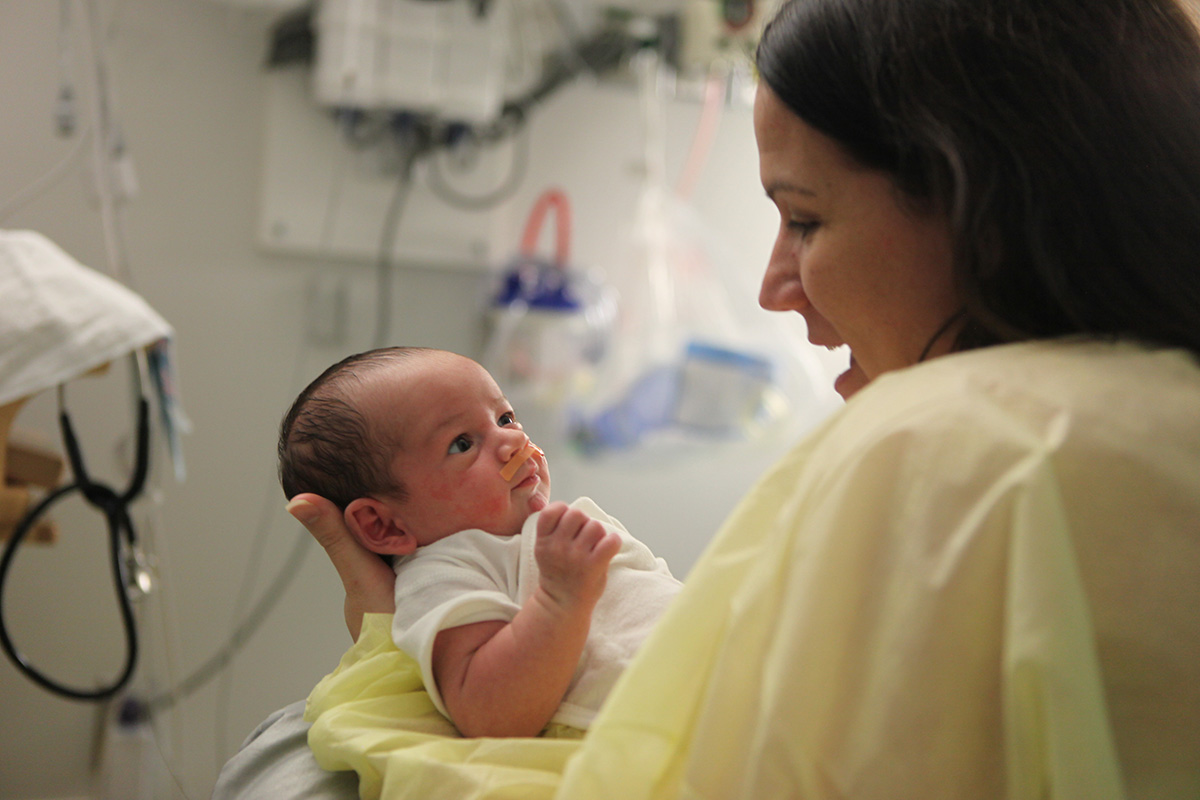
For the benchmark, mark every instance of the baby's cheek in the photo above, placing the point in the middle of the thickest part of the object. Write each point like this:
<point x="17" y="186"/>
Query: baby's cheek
<point x="484" y="507"/>
<point x="441" y="494"/>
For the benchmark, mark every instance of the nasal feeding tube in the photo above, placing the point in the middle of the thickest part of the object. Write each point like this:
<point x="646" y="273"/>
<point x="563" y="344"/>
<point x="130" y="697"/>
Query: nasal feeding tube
<point x="519" y="458"/>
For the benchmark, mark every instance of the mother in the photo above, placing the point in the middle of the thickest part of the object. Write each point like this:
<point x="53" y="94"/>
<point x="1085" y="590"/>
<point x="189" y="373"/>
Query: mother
<point x="981" y="577"/>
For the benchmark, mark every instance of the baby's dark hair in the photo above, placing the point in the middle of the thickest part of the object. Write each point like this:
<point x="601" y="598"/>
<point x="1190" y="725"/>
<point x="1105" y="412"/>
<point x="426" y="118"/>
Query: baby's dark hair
<point x="326" y="444"/>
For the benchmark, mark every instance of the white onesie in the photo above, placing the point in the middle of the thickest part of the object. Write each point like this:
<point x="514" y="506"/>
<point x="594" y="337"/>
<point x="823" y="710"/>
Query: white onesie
<point x="473" y="576"/>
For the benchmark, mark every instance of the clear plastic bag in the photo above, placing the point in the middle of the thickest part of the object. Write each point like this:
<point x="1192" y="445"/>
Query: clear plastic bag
<point x="691" y="356"/>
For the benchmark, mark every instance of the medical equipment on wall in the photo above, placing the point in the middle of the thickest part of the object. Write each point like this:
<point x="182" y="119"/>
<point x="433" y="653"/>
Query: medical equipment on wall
<point x="458" y="165"/>
<point x="471" y="69"/>
<point x="445" y="58"/>
<point x="62" y="320"/>
<point x="549" y="322"/>
<point x="690" y="359"/>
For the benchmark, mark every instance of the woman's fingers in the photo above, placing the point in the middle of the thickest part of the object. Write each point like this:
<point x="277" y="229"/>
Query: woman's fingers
<point x="368" y="581"/>
<point x="320" y="516"/>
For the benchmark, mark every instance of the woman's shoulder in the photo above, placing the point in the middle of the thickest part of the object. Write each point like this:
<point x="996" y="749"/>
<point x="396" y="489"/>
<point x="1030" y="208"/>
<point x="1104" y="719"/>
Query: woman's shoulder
<point x="1029" y="379"/>
<point x="1017" y="397"/>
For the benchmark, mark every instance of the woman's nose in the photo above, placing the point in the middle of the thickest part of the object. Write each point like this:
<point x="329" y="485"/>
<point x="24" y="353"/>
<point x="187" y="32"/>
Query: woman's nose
<point x="781" y="288"/>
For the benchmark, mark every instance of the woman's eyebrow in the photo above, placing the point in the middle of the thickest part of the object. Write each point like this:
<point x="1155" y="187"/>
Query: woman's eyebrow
<point x="786" y="187"/>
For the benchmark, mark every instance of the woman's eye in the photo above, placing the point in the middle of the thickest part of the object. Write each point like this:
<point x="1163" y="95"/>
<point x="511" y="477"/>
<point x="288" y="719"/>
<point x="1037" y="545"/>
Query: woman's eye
<point x="802" y="226"/>
<point x="460" y="445"/>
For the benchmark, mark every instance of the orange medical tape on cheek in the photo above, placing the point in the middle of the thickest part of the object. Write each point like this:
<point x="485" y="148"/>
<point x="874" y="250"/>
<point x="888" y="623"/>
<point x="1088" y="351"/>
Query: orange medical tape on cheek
<point x="519" y="458"/>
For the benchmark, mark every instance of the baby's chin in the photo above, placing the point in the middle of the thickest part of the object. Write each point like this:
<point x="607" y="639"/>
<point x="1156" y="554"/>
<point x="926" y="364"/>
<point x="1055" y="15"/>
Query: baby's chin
<point x="537" y="502"/>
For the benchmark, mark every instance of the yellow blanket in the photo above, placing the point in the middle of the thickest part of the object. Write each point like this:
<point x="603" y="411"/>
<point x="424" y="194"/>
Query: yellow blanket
<point x="372" y="715"/>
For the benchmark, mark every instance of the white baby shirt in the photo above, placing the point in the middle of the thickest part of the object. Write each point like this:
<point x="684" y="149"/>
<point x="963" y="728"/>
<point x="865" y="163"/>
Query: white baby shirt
<point x="473" y="576"/>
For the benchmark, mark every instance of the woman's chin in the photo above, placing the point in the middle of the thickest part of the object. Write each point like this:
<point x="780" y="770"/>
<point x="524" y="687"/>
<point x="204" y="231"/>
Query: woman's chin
<point x="850" y="381"/>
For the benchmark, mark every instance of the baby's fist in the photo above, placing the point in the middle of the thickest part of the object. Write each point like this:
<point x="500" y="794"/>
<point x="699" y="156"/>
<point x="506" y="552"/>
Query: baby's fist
<point x="573" y="552"/>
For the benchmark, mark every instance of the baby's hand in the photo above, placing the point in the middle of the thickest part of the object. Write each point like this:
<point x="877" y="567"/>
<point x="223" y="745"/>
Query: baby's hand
<point x="573" y="551"/>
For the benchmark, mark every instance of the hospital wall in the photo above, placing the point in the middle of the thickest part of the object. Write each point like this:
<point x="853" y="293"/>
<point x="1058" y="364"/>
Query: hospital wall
<point x="190" y="92"/>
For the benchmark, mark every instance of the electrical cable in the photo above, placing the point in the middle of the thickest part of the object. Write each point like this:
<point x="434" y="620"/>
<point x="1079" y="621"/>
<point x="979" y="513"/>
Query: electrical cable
<point x="102" y="148"/>
<point x="596" y="54"/>
<point x="333" y="202"/>
<point x="212" y="667"/>
<point x="516" y="55"/>
<point x="385" y="267"/>
<point x="166" y="762"/>
<point x="361" y="129"/>
<point x="34" y="189"/>
<point x="253" y="565"/>
<point x="562" y="17"/>
<point x="64" y="107"/>
<point x="518" y="170"/>
<point x="261" y="610"/>
<point x="418" y="145"/>
<point x="270" y="506"/>
<point x="168" y="620"/>
<point x="65" y="122"/>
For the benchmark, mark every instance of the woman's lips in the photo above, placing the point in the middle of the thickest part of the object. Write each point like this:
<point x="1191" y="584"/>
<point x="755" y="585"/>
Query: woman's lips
<point x="823" y="335"/>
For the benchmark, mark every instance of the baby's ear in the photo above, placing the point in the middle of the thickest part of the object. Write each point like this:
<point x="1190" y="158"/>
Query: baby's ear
<point x="377" y="527"/>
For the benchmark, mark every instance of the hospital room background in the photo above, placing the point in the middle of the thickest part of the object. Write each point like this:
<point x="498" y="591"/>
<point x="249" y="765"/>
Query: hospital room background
<point x="188" y="150"/>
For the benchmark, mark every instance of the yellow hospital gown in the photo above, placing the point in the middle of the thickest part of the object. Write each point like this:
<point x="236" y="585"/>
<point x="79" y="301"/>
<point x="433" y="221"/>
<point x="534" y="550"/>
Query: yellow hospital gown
<point x="981" y="579"/>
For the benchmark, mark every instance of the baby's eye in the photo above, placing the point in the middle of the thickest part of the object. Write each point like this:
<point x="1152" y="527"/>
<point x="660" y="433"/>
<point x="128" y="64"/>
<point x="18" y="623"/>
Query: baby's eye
<point x="460" y="445"/>
<point x="506" y="419"/>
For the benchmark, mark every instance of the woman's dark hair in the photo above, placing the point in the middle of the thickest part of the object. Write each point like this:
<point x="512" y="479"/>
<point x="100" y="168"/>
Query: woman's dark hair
<point x="326" y="444"/>
<point x="1062" y="137"/>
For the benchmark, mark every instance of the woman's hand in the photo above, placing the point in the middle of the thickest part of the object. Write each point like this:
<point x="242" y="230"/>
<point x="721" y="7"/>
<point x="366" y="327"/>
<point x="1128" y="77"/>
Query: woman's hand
<point x="369" y="582"/>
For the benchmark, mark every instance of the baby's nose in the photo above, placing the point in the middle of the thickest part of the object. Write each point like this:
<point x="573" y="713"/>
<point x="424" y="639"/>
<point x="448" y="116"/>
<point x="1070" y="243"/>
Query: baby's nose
<point x="513" y="462"/>
<point x="512" y="444"/>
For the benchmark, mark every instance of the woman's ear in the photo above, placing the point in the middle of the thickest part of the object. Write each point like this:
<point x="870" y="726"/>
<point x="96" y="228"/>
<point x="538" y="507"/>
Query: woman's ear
<point x="378" y="528"/>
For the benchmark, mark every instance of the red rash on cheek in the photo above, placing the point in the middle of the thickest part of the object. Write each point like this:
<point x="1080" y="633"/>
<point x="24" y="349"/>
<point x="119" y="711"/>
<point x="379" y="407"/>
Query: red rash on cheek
<point x="441" y="494"/>
<point x="478" y="508"/>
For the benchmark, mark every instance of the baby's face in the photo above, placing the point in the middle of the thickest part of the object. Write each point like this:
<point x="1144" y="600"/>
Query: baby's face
<point x="456" y="432"/>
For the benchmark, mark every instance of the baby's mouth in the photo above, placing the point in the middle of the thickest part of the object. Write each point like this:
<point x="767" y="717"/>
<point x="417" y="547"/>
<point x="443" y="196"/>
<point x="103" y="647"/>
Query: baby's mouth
<point x="519" y="458"/>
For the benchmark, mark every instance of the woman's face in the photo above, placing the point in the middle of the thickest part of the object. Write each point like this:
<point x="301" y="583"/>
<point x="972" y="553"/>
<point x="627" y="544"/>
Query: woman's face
<point x="861" y="269"/>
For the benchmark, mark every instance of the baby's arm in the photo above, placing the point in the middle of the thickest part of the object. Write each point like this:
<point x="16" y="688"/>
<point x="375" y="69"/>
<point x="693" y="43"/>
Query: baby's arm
<point x="508" y="678"/>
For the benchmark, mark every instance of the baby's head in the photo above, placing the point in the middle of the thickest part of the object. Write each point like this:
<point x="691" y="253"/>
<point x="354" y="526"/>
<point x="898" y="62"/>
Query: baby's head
<point x="410" y="443"/>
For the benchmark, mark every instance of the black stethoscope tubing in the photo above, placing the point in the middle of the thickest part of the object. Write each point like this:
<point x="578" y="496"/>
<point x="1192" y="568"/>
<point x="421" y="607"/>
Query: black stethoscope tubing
<point x="122" y="539"/>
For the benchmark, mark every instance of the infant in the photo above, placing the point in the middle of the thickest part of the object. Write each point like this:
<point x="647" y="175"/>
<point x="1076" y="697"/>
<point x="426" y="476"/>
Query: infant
<point x="519" y="611"/>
